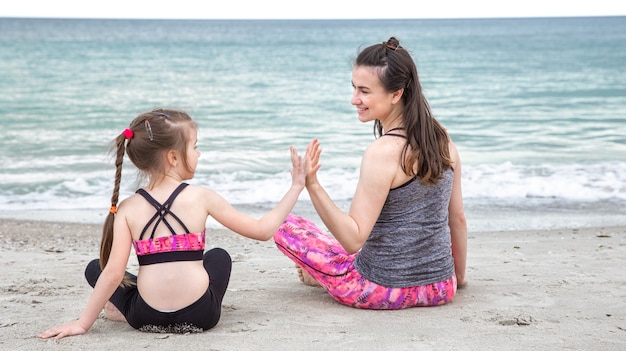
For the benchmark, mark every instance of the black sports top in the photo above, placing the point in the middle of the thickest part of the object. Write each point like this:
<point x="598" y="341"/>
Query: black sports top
<point x="171" y="248"/>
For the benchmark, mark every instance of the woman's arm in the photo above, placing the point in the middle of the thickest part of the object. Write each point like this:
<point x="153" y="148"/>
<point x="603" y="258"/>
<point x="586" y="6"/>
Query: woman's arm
<point x="109" y="280"/>
<point x="265" y="227"/>
<point x="457" y="221"/>
<point x="376" y="175"/>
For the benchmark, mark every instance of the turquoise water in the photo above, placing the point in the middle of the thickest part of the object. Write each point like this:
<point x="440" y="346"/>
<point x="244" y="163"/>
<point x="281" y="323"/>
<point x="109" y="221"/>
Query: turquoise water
<point x="537" y="108"/>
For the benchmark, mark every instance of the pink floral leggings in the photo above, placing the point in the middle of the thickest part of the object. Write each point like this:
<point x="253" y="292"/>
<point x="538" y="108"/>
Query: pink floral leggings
<point x="327" y="262"/>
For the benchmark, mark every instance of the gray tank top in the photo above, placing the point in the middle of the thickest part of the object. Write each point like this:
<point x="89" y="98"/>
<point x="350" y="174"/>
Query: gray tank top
<point x="410" y="242"/>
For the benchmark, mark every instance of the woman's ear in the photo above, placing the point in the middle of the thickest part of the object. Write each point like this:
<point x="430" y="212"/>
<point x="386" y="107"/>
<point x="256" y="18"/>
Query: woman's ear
<point x="397" y="95"/>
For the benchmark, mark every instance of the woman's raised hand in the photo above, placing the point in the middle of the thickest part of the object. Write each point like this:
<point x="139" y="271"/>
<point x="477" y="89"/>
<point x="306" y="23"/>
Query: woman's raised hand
<point x="312" y="160"/>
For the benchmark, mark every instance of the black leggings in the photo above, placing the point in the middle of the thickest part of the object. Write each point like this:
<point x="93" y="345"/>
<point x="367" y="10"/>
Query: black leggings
<point x="202" y="314"/>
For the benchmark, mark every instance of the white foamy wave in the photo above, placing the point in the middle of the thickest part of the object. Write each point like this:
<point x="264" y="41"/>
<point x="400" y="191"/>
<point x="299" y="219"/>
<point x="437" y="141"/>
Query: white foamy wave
<point x="76" y="193"/>
<point x="576" y="182"/>
<point x="507" y="181"/>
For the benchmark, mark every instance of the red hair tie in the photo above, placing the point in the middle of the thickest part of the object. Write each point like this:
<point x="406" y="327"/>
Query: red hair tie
<point x="128" y="133"/>
<point x="113" y="209"/>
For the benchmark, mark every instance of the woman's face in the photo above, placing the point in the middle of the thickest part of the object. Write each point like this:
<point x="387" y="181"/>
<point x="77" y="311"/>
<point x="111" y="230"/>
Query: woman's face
<point x="369" y="96"/>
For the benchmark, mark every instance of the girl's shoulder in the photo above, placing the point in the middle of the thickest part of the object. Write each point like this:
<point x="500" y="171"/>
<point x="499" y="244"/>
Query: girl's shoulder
<point x="199" y="190"/>
<point x="130" y="200"/>
<point x="199" y="194"/>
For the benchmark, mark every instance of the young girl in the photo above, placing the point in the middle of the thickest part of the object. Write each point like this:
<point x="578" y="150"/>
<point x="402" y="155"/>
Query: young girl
<point x="404" y="241"/>
<point x="179" y="287"/>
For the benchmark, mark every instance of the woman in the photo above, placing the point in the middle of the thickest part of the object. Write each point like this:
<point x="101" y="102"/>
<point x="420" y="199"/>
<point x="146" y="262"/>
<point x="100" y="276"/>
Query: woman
<point x="404" y="241"/>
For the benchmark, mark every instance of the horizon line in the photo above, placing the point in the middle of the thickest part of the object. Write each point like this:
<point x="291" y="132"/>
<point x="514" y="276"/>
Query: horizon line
<point x="302" y="18"/>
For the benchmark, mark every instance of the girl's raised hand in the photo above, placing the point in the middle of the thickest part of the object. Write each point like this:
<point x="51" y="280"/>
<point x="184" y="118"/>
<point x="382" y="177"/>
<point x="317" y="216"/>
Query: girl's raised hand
<point x="297" y="170"/>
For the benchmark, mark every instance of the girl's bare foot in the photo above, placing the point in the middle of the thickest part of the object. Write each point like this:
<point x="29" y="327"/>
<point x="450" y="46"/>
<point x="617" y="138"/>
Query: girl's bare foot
<point x="111" y="312"/>
<point x="306" y="278"/>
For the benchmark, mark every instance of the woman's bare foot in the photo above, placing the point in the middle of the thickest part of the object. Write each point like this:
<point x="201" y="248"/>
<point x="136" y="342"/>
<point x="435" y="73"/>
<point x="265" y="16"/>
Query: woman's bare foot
<point x="305" y="277"/>
<point x="111" y="312"/>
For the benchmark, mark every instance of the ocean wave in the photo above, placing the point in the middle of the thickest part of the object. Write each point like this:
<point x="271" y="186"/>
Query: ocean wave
<point x="505" y="182"/>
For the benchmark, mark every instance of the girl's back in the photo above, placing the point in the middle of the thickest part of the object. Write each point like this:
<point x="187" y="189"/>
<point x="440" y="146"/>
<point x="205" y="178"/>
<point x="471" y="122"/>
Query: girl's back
<point x="168" y="286"/>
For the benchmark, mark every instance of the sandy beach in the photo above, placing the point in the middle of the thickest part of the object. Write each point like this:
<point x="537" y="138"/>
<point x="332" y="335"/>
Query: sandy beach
<point x="542" y="290"/>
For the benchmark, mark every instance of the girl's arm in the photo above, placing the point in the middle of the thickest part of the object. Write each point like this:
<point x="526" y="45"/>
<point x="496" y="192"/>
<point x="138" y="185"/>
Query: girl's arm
<point x="265" y="227"/>
<point x="457" y="221"/>
<point x="109" y="280"/>
<point x="376" y="175"/>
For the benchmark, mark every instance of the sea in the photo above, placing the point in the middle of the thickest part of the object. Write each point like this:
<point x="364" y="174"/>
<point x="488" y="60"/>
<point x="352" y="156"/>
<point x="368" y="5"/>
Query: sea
<point x="536" y="107"/>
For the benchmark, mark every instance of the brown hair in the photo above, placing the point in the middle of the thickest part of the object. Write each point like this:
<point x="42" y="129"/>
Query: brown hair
<point x="425" y="153"/>
<point x="153" y="134"/>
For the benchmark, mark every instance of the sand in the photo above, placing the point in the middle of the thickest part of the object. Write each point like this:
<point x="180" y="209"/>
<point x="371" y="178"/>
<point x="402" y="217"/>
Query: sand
<point x="544" y="290"/>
